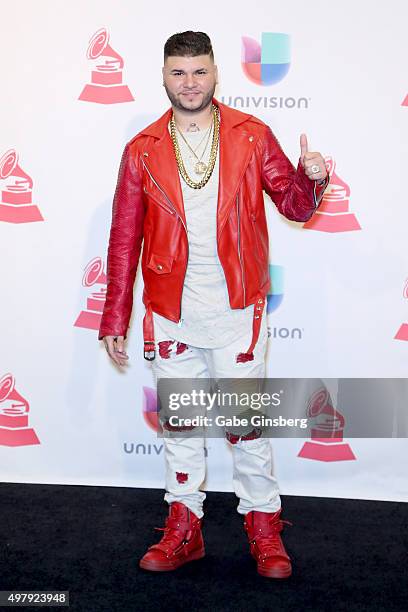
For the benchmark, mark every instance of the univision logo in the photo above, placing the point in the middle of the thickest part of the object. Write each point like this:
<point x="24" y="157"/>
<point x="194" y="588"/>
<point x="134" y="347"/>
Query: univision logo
<point x="266" y="63"/>
<point x="275" y="297"/>
<point x="274" y="300"/>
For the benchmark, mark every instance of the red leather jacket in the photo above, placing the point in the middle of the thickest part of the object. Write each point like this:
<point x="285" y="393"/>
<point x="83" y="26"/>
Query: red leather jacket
<point x="148" y="208"/>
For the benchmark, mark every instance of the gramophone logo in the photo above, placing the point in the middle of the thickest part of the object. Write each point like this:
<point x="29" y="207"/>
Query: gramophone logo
<point x="266" y="63"/>
<point x="275" y="297"/>
<point x="94" y="276"/>
<point x="14" y="429"/>
<point x="327" y="434"/>
<point x="402" y="333"/>
<point x="106" y="85"/>
<point x="16" y="205"/>
<point x="150" y="413"/>
<point x="333" y="214"/>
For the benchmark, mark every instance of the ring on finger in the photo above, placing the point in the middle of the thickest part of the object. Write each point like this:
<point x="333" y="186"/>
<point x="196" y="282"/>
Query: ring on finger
<point x="315" y="168"/>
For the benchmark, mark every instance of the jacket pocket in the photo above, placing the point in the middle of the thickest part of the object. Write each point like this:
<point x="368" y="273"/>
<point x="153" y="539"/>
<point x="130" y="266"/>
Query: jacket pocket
<point x="161" y="264"/>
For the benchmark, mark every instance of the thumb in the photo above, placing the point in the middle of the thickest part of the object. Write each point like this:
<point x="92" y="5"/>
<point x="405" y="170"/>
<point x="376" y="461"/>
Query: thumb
<point x="303" y="146"/>
<point x="120" y="344"/>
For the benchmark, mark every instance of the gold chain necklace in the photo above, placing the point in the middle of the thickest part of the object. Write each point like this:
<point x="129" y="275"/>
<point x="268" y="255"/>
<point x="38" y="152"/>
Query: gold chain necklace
<point x="213" y="152"/>
<point x="206" y="134"/>
<point x="200" y="166"/>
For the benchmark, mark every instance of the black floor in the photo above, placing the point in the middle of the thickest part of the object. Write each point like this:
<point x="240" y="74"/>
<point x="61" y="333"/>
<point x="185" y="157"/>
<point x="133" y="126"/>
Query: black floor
<point x="347" y="554"/>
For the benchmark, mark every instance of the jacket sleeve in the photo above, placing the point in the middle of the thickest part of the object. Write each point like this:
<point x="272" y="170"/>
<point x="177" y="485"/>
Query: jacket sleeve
<point x="295" y="195"/>
<point x="125" y="243"/>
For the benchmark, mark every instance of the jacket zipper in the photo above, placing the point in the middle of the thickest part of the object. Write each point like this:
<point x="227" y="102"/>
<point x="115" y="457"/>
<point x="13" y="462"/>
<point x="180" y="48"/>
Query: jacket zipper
<point x="171" y="212"/>
<point x="184" y="225"/>
<point x="239" y="250"/>
<point x="258" y="248"/>
<point x="314" y="195"/>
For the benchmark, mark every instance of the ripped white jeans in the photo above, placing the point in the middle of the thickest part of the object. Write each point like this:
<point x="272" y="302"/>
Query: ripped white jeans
<point x="185" y="466"/>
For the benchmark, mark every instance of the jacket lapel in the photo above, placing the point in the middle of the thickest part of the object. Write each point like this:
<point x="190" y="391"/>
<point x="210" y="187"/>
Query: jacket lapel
<point x="161" y="162"/>
<point x="236" y="147"/>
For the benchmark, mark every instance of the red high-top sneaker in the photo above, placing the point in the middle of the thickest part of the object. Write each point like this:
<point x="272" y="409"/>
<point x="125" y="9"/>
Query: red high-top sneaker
<point x="266" y="546"/>
<point x="182" y="541"/>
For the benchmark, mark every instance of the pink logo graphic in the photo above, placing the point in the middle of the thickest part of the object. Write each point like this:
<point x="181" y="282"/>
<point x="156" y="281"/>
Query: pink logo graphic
<point x="106" y="85"/>
<point x="333" y="213"/>
<point x="405" y="101"/>
<point x="16" y="197"/>
<point x="14" y="429"/>
<point x="150" y="413"/>
<point x="402" y="333"/>
<point x="93" y="275"/>
<point x="327" y="434"/>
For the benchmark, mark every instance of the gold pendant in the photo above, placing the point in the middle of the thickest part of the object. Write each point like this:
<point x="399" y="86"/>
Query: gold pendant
<point x="200" y="167"/>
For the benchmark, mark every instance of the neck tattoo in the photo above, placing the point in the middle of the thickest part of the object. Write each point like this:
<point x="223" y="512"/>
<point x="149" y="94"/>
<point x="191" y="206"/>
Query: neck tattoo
<point x="193" y="127"/>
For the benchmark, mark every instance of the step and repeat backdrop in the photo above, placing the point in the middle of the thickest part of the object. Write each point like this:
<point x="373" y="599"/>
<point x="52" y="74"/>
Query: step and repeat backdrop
<point x="81" y="79"/>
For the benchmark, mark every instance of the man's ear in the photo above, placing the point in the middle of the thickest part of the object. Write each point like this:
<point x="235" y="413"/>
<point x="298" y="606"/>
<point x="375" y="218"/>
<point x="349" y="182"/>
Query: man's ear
<point x="163" y="74"/>
<point x="216" y="73"/>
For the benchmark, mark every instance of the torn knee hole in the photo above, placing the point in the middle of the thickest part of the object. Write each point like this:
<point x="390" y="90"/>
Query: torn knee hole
<point x="166" y="347"/>
<point x="252" y="435"/>
<point x="169" y="427"/>
<point x="181" y="347"/>
<point x="244" y="357"/>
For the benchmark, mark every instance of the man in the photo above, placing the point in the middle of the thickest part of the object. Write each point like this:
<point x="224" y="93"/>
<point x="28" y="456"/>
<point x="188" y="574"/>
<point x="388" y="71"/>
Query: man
<point x="190" y="188"/>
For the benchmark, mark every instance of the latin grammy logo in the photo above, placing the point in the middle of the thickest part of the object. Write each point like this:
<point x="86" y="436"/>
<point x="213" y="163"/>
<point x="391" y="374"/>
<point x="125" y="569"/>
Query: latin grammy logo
<point x="14" y="429"/>
<point x="106" y="85"/>
<point x="93" y="275"/>
<point x="402" y="333"/>
<point x="333" y="214"/>
<point x="16" y="197"/>
<point x="327" y="434"/>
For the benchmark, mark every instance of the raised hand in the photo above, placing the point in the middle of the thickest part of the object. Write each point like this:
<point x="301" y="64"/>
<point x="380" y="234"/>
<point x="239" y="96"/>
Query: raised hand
<point x="312" y="162"/>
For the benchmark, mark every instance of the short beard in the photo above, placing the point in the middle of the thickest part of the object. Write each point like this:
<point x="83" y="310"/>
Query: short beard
<point x="176" y="104"/>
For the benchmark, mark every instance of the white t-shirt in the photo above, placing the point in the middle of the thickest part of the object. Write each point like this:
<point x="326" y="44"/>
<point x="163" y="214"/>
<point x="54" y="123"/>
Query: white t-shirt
<point x="207" y="320"/>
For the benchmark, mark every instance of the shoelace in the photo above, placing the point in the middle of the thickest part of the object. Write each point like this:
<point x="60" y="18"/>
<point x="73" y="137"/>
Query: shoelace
<point x="171" y="536"/>
<point x="268" y="547"/>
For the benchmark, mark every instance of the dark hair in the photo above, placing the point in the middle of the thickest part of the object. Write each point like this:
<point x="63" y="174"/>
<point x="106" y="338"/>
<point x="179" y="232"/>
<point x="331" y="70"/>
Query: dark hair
<point x="188" y="44"/>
